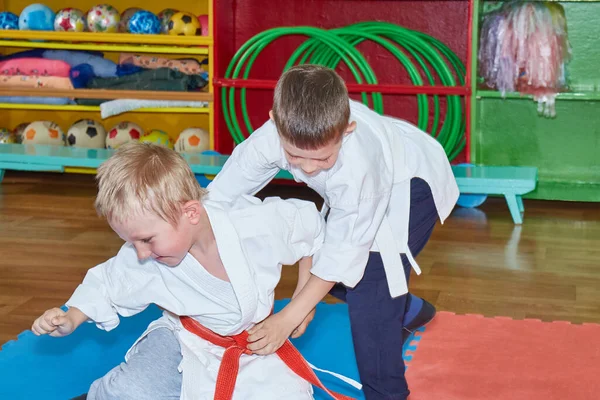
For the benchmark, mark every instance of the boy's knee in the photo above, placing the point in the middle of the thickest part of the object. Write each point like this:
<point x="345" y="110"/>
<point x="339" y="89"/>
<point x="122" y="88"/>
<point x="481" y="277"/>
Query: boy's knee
<point x="120" y="384"/>
<point x="150" y="373"/>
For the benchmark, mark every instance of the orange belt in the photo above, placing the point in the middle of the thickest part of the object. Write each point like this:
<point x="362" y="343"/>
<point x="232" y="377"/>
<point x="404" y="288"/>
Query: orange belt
<point x="236" y="346"/>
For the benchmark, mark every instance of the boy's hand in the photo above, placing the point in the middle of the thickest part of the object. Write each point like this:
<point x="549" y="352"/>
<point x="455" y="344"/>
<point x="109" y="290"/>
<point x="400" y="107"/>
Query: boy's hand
<point x="268" y="336"/>
<point x="299" y="331"/>
<point x="54" y="322"/>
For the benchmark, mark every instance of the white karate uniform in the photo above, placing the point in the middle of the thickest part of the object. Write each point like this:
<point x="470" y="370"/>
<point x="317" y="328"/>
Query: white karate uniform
<point x="254" y="239"/>
<point x="367" y="191"/>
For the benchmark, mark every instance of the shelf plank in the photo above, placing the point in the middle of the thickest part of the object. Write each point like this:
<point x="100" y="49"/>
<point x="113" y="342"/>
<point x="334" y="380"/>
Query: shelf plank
<point x="492" y="94"/>
<point x="108" y="94"/>
<point x="94" y="37"/>
<point x="154" y="110"/>
<point x="128" y="48"/>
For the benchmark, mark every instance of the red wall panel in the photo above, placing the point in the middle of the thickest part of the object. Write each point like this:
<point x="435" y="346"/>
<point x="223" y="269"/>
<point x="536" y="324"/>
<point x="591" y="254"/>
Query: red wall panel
<point x="239" y="20"/>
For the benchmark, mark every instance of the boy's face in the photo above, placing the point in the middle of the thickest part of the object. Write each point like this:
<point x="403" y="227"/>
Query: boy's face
<point x="153" y="237"/>
<point x="314" y="161"/>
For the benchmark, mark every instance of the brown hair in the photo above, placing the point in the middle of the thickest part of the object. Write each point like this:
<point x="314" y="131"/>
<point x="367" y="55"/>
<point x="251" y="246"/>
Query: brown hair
<point x="144" y="177"/>
<point x="311" y="107"/>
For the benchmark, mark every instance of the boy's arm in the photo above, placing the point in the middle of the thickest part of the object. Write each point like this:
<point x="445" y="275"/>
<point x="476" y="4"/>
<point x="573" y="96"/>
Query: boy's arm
<point x="304" y="266"/>
<point x="250" y="167"/>
<point x="112" y="288"/>
<point x="342" y="258"/>
<point x="268" y="336"/>
<point x="303" y="228"/>
<point x="57" y="322"/>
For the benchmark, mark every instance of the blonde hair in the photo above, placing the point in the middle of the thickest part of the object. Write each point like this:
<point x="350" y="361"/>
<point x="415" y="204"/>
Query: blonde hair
<point x="144" y="177"/>
<point x="311" y="107"/>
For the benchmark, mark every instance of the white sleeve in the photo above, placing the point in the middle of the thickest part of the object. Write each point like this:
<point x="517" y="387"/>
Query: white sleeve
<point x="111" y="288"/>
<point x="350" y="233"/>
<point x="249" y="168"/>
<point x="302" y="227"/>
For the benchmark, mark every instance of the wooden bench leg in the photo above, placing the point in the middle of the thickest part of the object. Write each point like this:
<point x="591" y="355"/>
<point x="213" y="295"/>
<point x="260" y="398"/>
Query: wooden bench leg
<point x="515" y="206"/>
<point x="1" y="174"/>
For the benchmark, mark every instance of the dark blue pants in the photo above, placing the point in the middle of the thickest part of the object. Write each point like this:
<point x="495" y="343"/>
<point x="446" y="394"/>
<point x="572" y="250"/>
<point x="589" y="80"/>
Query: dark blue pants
<point x="376" y="319"/>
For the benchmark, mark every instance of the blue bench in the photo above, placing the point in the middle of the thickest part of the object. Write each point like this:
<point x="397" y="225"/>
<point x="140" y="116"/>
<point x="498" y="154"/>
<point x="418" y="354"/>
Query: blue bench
<point x="511" y="182"/>
<point x="20" y="157"/>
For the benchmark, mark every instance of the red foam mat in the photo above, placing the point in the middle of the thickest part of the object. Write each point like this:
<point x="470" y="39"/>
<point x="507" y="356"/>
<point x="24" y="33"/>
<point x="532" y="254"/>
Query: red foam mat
<point x="470" y="357"/>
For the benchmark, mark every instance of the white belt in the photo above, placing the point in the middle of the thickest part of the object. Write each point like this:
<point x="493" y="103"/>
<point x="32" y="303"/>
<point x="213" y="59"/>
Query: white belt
<point x="390" y="255"/>
<point x="392" y="262"/>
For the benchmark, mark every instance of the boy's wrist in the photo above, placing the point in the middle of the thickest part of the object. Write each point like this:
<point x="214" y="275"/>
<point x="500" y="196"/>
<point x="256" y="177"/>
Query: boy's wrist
<point x="291" y="317"/>
<point x="76" y="316"/>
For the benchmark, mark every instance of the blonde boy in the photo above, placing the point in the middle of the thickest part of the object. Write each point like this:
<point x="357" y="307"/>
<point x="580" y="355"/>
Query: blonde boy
<point x="215" y="263"/>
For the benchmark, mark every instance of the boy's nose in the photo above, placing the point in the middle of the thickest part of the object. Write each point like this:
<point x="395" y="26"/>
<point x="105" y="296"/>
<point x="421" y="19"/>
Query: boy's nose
<point x="309" y="168"/>
<point x="143" y="254"/>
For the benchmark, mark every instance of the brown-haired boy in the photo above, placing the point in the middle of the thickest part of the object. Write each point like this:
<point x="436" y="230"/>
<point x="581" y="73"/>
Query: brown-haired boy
<point x="384" y="182"/>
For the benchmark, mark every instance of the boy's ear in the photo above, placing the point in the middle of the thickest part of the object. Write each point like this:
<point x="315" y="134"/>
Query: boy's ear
<point x="193" y="210"/>
<point x="351" y="127"/>
<point x="271" y="115"/>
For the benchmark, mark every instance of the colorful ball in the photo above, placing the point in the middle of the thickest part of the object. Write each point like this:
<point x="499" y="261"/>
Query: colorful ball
<point x="9" y="21"/>
<point x="158" y="137"/>
<point x="36" y="17"/>
<point x="192" y="140"/>
<point x="144" y="22"/>
<point x="103" y="18"/>
<point x="6" y="136"/>
<point x="86" y="133"/>
<point x="165" y="16"/>
<point x="20" y="130"/>
<point x="125" y="17"/>
<point x="122" y="133"/>
<point x="44" y="132"/>
<point x="69" y="20"/>
<point x="184" y="24"/>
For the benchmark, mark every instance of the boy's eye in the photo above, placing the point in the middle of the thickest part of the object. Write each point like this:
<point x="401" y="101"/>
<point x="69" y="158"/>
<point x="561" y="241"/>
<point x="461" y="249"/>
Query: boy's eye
<point x="147" y="240"/>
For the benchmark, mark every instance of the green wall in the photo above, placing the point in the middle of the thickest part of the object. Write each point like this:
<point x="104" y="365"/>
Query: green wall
<point x="566" y="149"/>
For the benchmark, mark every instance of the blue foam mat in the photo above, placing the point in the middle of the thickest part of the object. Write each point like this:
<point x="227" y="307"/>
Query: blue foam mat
<point x="35" y="367"/>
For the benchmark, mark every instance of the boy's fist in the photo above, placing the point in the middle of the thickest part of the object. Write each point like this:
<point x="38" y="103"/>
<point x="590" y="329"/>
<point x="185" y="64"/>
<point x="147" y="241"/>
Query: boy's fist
<point x="53" y="322"/>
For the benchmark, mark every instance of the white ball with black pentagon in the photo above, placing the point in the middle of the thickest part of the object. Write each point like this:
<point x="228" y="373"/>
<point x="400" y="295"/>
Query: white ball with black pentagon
<point x="86" y="133"/>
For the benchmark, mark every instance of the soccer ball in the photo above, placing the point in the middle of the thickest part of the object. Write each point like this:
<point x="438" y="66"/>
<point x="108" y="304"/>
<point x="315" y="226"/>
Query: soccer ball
<point x="122" y="133"/>
<point x="165" y="16"/>
<point x="86" y="133"/>
<point x="158" y="137"/>
<point x="192" y="140"/>
<point x="44" y="132"/>
<point x="69" y="20"/>
<point x="8" y="21"/>
<point x="7" y="136"/>
<point x="144" y="22"/>
<point x="184" y="24"/>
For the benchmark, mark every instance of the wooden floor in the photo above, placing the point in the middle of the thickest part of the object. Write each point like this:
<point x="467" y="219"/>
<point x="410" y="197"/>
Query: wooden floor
<point x="478" y="262"/>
